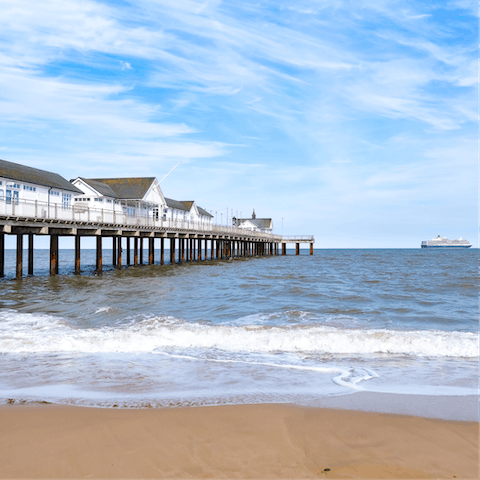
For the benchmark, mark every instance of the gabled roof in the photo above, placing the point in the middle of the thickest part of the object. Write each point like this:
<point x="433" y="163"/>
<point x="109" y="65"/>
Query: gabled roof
<point x="100" y="187"/>
<point x="259" y="222"/>
<point x="21" y="173"/>
<point x="203" y="212"/>
<point x="185" y="205"/>
<point x="125" y="188"/>
<point x="176" y="204"/>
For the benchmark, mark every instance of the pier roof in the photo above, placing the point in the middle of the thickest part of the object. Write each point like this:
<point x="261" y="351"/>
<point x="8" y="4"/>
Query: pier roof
<point x="185" y="205"/>
<point x="176" y="204"/>
<point x="22" y="173"/>
<point x="204" y="212"/>
<point x="259" y="222"/>
<point x="126" y="188"/>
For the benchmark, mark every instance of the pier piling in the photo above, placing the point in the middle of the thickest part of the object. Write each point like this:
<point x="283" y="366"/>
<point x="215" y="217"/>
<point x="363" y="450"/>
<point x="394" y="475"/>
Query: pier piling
<point x="77" y="254"/>
<point x="19" y="270"/>
<point x="30" y="253"/>
<point x="2" y="254"/>
<point x="53" y="254"/>
<point x="99" y="261"/>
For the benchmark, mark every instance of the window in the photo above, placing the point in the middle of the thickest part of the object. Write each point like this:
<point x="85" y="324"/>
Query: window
<point x="1" y="192"/>
<point x="66" y="197"/>
<point x="12" y="196"/>
<point x="53" y="192"/>
<point x="31" y="189"/>
<point x="109" y="201"/>
<point x="131" y="211"/>
<point x="155" y="213"/>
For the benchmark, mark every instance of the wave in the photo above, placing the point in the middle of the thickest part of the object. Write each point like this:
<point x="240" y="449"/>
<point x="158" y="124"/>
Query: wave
<point x="30" y="333"/>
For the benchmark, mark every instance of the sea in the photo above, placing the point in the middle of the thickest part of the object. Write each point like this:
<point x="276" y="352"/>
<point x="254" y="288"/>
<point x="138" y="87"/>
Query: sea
<point x="393" y="331"/>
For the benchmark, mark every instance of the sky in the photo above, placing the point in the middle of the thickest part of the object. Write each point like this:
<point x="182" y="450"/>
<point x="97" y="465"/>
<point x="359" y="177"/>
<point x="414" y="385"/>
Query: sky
<point x="354" y="121"/>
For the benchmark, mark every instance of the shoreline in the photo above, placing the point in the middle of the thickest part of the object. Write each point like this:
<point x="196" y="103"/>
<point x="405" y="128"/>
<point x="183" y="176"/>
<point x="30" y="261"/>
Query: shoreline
<point x="231" y="441"/>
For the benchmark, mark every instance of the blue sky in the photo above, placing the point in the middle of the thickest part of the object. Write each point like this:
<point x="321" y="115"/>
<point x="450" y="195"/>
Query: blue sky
<point x="355" y="121"/>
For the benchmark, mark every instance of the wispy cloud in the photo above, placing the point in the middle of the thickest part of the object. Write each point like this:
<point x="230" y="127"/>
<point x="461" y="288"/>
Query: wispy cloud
<point x="315" y="94"/>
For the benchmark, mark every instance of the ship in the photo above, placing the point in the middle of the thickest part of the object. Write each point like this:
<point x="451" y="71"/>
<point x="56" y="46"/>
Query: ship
<point x="440" y="242"/>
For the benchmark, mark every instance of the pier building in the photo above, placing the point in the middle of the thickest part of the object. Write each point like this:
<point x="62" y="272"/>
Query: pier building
<point x="264" y="225"/>
<point x="106" y="213"/>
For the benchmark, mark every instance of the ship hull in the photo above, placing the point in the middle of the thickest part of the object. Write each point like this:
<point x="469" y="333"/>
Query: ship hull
<point x="446" y="246"/>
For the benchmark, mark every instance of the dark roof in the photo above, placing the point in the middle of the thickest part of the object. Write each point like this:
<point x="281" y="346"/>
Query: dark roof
<point x="100" y="187"/>
<point x="259" y="222"/>
<point x="128" y="188"/>
<point x="176" y="204"/>
<point x="185" y="205"/>
<point x="21" y="173"/>
<point x="201" y="211"/>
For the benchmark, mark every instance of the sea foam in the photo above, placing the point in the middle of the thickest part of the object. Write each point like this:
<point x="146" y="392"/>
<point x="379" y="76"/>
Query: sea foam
<point x="30" y="333"/>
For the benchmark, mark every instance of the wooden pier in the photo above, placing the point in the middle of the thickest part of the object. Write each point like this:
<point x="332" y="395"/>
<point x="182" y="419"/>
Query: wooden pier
<point x="297" y="240"/>
<point x="194" y="244"/>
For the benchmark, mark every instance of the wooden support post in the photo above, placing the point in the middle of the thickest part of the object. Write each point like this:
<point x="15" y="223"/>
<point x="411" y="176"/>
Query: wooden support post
<point x="311" y="249"/>
<point x="119" y="253"/>
<point x="128" y="250"/>
<point x="212" y="254"/>
<point x="53" y="254"/>
<point x="297" y="249"/>
<point x="30" y="253"/>
<point x="151" y="251"/>
<point x="217" y="249"/>
<point x="190" y="245"/>
<point x="99" y="254"/>
<point x="284" y="248"/>
<point x="114" y="251"/>
<point x="135" y="251"/>
<point x="172" y="251"/>
<point x="19" y="273"/>
<point x="141" y="250"/>
<point x="182" y="247"/>
<point x="199" y="249"/>
<point x="162" y="251"/>
<point x="77" y="253"/>
<point x="2" y="254"/>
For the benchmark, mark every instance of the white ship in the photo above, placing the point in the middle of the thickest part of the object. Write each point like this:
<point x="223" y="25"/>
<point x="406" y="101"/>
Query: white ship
<point x="440" y="242"/>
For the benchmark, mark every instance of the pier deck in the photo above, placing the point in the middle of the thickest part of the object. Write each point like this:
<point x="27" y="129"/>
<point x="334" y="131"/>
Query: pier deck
<point x="190" y="239"/>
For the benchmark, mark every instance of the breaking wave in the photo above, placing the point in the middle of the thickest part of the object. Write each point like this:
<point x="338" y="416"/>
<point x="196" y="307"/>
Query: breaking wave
<point x="29" y="333"/>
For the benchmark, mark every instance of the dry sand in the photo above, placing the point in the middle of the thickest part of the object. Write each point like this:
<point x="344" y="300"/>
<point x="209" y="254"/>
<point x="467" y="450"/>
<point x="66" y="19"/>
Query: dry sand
<point x="247" y="441"/>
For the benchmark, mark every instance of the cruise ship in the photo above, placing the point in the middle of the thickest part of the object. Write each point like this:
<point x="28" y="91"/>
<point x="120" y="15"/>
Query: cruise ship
<point x="440" y="242"/>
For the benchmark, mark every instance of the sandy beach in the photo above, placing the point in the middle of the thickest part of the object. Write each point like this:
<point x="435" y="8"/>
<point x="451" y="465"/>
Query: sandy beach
<point x="245" y="441"/>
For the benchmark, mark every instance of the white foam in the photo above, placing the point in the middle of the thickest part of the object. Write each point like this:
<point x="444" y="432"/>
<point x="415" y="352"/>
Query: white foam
<point x="29" y="333"/>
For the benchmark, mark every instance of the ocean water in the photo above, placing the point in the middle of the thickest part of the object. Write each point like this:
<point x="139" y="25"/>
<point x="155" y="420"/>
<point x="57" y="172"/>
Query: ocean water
<point x="295" y="329"/>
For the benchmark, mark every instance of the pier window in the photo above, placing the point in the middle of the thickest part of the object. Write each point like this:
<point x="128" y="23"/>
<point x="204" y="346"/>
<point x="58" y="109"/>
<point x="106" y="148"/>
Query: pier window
<point x="12" y="196"/>
<point x="66" y="197"/>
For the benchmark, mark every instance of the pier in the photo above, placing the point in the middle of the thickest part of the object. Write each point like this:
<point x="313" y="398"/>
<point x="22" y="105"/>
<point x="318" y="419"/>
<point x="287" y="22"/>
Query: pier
<point x="130" y="211"/>
<point x="297" y="240"/>
<point x="194" y="242"/>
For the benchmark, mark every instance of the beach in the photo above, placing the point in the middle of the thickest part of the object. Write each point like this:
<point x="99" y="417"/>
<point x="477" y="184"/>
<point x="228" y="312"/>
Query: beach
<point x="242" y="441"/>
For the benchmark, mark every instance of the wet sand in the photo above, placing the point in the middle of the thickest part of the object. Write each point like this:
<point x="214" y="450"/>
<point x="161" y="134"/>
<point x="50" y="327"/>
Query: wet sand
<point x="245" y="441"/>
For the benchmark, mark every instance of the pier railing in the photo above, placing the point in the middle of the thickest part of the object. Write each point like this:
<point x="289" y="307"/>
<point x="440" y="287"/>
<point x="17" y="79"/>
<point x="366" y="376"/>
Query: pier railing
<point x="38" y="210"/>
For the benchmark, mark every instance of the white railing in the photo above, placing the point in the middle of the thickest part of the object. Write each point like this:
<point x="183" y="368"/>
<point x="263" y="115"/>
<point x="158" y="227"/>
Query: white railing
<point x="290" y="238"/>
<point x="83" y="213"/>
